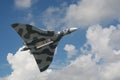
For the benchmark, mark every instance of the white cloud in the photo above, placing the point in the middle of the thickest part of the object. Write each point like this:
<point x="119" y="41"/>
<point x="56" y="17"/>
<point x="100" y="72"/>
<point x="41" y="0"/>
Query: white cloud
<point x="84" y="68"/>
<point x="53" y="17"/>
<point x="111" y="71"/>
<point x="30" y="18"/>
<point x="24" y="67"/>
<point x="100" y="40"/>
<point x="81" y="68"/>
<point x="103" y="44"/>
<point x="88" y="12"/>
<point x="84" y="13"/>
<point x="71" y="50"/>
<point x="23" y="4"/>
<point x="115" y="39"/>
<point x="3" y="79"/>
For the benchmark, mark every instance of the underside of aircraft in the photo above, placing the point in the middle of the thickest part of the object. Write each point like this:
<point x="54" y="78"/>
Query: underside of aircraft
<point x="41" y="43"/>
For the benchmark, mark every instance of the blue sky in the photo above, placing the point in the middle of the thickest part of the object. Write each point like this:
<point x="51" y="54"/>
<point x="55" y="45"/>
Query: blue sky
<point x="92" y="52"/>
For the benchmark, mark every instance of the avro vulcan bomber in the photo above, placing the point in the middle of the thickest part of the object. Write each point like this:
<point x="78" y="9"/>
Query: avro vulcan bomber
<point x="42" y="44"/>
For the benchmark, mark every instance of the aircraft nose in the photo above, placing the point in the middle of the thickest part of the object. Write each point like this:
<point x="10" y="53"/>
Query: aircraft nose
<point x="73" y="29"/>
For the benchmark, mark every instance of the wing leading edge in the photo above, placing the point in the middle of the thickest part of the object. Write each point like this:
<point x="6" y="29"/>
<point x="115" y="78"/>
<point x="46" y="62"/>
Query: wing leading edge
<point x="33" y="36"/>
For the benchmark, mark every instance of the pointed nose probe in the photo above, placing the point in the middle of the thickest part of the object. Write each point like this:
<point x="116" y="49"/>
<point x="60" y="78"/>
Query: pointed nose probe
<point x="73" y="29"/>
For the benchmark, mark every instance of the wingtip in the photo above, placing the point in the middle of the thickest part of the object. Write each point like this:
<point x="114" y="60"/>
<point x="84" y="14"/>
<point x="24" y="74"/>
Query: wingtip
<point x="44" y="68"/>
<point x="15" y="25"/>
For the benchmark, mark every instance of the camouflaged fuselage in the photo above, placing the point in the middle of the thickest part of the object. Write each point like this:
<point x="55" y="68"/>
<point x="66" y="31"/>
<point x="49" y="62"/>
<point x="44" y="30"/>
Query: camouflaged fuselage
<point x="42" y="44"/>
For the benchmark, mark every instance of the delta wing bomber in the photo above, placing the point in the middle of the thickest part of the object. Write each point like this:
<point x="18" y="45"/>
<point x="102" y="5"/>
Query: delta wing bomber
<point x="42" y="44"/>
